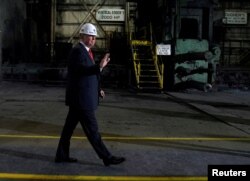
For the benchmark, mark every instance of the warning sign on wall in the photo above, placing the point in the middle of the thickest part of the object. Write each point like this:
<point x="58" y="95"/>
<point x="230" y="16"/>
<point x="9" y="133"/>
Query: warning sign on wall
<point x="163" y="49"/>
<point x="110" y="15"/>
<point x="235" y="17"/>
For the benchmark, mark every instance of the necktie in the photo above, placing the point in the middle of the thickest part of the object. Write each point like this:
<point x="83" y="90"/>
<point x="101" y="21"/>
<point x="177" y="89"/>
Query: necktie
<point x="91" y="55"/>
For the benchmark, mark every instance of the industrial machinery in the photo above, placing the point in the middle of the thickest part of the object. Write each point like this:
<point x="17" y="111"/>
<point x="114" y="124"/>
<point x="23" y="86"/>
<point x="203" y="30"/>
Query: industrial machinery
<point x="190" y="58"/>
<point x="155" y="45"/>
<point x="202" y="39"/>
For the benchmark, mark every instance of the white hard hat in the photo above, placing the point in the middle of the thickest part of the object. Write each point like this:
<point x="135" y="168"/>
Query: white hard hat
<point x="88" y="29"/>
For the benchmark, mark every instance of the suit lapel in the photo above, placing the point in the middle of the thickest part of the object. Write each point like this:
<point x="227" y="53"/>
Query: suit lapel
<point x="86" y="54"/>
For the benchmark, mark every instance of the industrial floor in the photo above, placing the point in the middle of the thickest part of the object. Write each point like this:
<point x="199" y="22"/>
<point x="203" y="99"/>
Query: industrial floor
<point x="164" y="136"/>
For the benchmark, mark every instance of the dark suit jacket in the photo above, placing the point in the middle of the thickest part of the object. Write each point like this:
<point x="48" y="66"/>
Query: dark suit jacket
<point x="83" y="80"/>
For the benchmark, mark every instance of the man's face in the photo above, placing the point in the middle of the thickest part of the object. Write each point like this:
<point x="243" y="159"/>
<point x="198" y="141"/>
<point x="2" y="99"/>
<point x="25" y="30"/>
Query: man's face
<point x="89" y="40"/>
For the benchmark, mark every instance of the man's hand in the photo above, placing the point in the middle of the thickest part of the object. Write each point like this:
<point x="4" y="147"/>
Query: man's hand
<point x="102" y="94"/>
<point x="105" y="60"/>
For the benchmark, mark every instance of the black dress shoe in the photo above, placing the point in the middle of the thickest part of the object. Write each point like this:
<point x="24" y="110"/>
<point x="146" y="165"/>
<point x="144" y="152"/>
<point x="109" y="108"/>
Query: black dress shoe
<point x="113" y="161"/>
<point x="70" y="160"/>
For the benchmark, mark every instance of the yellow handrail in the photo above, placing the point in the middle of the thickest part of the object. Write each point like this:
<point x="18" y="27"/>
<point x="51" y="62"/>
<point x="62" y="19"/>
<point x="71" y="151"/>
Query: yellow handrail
<point x="159" y="68"/>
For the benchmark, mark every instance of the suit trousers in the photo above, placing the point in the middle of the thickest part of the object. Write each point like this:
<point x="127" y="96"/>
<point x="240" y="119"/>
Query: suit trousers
<point x="88" y="122"/>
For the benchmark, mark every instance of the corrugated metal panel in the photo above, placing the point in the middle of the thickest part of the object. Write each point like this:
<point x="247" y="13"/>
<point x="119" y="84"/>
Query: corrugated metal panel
<point x="72" y="13"/>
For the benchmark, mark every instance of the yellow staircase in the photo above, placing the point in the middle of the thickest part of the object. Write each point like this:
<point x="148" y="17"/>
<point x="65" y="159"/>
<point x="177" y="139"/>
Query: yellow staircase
<point x="147" y="68"/>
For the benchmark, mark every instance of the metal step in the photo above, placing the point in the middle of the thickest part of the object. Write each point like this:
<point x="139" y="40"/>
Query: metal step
<point x="148" y="80"/>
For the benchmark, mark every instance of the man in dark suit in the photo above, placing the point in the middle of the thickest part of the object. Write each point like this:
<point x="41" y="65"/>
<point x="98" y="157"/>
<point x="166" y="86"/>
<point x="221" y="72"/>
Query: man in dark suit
<point x="82" y="97"/>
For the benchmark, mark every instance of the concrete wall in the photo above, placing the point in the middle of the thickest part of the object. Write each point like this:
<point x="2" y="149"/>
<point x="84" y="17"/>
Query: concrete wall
<point x="13" y="14"/>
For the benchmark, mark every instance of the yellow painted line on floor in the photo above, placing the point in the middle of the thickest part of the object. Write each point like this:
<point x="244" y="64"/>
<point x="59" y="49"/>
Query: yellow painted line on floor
<point x="128" y="138"/>
<point x="90" y="178"/>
